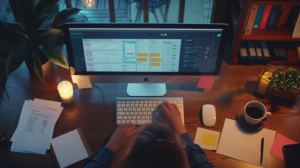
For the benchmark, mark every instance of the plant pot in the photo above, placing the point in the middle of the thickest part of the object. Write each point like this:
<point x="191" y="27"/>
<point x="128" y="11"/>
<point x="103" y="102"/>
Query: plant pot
<point x="285" y="94"/>
<point x="47" y="65"/>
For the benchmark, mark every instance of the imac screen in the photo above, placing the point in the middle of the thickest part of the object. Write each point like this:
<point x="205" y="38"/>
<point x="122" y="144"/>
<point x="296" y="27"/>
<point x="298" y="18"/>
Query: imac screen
<point x="145" y="50"/>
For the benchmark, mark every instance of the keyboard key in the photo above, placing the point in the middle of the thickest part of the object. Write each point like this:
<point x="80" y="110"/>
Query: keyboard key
<point x="120" y="117"/>
<point x="146" y="101"/>
<point x="147" y="118"/>
<point x="155" y="101"/>
<point x="136" y="105"/>
<point x="119" y="105"/>
<point x="137" y="101"/>
<point x="149" y="113"/>
<point x="134" y="117"/>
<point x="127" y="113"/>
<point x="133" y="121"/>
<point x="119" y="109"/>
<point x="131" y="101"/>
<point x="141" y="122"/>
<point x="123" y="105"/>
<point x="129" y="109"/>
<point x="141" y="105"/>
<point x="150" y="101"/>
<point x="143" y="109"/>
<point x="120" y="113"/>
<point x="138" y="117"/>
<point x="127" y="121"/>
<point x="145" y="105"/>
<point x="142" y="102"/>
<point x="129" y="117"/>
<point x="127" y="105"/>
<point x="136" y="113"/>
<point x="131" y="113"/>
<point x="134" y="109"/>
<point x="145" y="113"/>
<point x="123" y="101"/>
<point x="152" y="109"/>
<point x="143" y="117"/>
<point x="119" y="102"/>
<point x="127" y="102"/>
<point x="131" y="105"/>
<point x="125" y="117"/>
<point x="140" y="113"/>
<point x="119" y="122"/>
<point x="123" y="122"/>
<point x="147" y="109"/>
<point x="139" y="109"/>
<point x="125" y="109"/>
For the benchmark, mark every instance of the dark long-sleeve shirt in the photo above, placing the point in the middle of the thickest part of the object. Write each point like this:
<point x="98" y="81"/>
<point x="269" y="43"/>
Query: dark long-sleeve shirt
<point x="196" y="156"/>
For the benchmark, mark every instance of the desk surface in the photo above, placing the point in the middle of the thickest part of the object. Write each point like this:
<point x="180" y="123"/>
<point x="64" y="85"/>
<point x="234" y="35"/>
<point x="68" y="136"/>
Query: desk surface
<point x="236" y="86"/>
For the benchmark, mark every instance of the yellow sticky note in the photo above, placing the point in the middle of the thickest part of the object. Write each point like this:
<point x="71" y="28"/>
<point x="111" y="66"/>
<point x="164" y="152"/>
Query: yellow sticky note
<point x="209" y="139"/>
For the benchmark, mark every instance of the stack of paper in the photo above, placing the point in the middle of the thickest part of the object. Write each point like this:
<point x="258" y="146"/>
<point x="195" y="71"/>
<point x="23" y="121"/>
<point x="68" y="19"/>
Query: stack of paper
<point x="35" y="127"/>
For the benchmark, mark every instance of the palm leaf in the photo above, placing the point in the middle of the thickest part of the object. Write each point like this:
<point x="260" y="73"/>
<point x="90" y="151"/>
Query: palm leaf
<point x="45" y="9"/>
<point x="64" y="16"/>
<point x="17" y="27"/>
<point x="8" y="37"/>
<point x="25" y="14"/>
<point x="41" y="38"/>
<point x="55" y="55"/>
<point x="37" y="63"/>
<point x="17" y="56"/>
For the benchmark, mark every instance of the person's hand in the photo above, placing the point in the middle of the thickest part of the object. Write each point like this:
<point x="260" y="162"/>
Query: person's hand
<point x="122" y="135"/>
<point x="173" y="117"/>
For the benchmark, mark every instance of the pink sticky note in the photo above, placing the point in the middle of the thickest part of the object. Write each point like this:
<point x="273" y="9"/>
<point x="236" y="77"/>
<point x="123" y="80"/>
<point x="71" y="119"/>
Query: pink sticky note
<point x="206" y="82"/>
<point x="279" y="142"/>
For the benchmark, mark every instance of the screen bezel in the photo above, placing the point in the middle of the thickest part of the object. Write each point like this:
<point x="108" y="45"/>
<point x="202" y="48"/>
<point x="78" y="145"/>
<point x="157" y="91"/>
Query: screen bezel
<point x="216" y="71"/>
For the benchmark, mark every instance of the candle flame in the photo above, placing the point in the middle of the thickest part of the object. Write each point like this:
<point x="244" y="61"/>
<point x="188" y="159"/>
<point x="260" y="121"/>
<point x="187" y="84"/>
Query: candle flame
<point x="66" y="91"/>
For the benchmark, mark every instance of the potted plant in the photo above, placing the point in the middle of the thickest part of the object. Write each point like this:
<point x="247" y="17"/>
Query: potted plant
<point x="27" y="43"/>
<point x="285" y="84"/>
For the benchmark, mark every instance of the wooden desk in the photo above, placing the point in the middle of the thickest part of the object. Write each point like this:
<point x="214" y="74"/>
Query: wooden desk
<point x="235" y="88"/>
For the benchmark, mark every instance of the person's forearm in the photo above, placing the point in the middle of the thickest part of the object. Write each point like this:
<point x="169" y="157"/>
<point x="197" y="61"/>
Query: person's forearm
<point x="102" y="159"/>
<point x="197" y="157"/>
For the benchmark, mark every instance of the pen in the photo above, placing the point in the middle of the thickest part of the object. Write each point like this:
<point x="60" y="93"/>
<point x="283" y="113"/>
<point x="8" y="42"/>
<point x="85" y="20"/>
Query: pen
<point x="262" y="150"/>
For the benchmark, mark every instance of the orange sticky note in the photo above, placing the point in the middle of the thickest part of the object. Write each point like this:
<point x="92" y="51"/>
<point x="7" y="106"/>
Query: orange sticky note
<point x="206" y="82"/>
<point x="279" y="142"/>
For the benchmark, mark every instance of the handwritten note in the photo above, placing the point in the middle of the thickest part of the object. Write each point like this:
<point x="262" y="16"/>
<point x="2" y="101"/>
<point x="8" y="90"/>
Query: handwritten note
<point x="206" y="82"/>
<point x="279" y="142"/>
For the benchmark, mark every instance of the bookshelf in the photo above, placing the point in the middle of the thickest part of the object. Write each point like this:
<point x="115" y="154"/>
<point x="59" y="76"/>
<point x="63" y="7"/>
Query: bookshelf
<point x="240" y="14"/>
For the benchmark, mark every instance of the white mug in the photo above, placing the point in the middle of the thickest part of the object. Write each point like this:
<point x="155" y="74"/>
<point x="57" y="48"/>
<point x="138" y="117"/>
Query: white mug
<point x="253" y="121"/>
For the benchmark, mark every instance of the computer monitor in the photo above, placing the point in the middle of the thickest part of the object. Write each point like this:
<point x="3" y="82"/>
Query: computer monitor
<point x="146" y="56"/>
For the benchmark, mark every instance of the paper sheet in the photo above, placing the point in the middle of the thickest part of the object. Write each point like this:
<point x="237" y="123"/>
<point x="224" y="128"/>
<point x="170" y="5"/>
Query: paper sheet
<point x="207" y="139"/>
<point x="279" y="142"/>
<point x="206" y="82"/>
<point x="245" y="146"/>
<point x="69" y="148"/>
<point x="84" y="82"/>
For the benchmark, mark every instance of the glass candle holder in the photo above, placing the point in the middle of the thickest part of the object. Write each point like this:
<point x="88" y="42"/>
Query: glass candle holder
<point x="65" y="90"/>
<point x="263" y="80"/>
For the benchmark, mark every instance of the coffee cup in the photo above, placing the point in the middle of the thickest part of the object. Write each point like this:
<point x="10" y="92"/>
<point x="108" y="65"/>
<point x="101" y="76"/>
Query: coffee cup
<point x="255" y="112"/>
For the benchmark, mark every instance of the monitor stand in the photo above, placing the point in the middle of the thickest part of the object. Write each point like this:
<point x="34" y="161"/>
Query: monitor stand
<point x="146" y="89"/>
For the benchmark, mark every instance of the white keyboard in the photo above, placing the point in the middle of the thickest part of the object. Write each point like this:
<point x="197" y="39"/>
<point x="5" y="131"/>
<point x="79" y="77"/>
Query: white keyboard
<point x="143" y="110"/>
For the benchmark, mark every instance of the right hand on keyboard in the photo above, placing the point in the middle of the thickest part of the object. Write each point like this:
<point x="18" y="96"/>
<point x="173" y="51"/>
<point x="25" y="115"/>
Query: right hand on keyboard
<point x="173" y="117"/>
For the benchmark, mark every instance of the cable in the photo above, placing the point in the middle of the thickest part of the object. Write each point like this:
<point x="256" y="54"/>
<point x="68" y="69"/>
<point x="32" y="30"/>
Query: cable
<point x="104" y="103"/>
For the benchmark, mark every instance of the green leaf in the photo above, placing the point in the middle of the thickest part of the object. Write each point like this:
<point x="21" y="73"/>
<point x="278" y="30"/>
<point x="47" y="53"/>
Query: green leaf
<point x="64" y="16"/>
<point x="25" y="14"/>
<point x="17" y="56"/>
<point x="37" y="64"/>
<point x="8" y="37"/>
<point x="40" y="39"/>
<point x="46" y="9"/>
<point x="18" y="28"/>
<point x="55" y="55"/>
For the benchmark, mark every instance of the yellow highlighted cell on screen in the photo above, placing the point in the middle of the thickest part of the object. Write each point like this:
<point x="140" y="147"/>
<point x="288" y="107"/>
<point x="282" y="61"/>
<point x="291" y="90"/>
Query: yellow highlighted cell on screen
<point x="155" y="59"/>
<point x="141" y="59"/>
<point x="142" y="54"/>
<point x="154" y="64"/>
<point x="155" y="54"/>
<point x="209" y="139"/>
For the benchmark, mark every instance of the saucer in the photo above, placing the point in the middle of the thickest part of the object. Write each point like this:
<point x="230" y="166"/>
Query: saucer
<point x="247" y="127"/>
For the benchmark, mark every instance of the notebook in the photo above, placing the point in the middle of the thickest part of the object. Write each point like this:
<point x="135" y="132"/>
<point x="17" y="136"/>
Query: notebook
<point x="70" y="148"/>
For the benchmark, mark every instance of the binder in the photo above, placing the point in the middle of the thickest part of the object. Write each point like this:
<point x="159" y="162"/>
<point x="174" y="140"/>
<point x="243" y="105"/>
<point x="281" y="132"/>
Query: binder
<point x="284" y="15"/>
<point x="258" y="49"/>
<point x="265" y="51"/>
<point x="259" y="15"/>
<point x="272" y="17"/>
<point x="278" y="16"/>
<point x="265" y="17"/>
<point x="70" y="148"/>
<point x="251" y="19"/>
<point x="251" y="50"/>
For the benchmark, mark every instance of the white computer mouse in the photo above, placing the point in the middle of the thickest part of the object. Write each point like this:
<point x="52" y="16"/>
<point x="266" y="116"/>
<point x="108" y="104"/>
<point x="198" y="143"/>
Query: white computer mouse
<point x="209" y="115"/>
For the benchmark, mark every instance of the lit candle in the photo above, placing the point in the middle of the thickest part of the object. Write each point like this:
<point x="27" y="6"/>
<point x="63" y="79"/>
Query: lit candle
<point x="264" y="83"/>
<point x="65" y="90"/>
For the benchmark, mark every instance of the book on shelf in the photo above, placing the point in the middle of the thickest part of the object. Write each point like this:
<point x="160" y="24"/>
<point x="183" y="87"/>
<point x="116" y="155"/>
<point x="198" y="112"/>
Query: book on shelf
<point x="278" y="16"/>
<point x="265" y="17"/>
<point x="258" y="49"/>
<point x="251" y="50"/>
<point x="291" y="20"/>
<point x="272" y="17"/>
<point x="259" y="14"/>
<point x="251" y="19"/>
<point x="265" y="50"/>
<point x="284" y="15"/>
<point x="277" y="52"/>
<point x="296" y="31"/>
<point x="298" y="52"/>
<point x="243" y="50"/>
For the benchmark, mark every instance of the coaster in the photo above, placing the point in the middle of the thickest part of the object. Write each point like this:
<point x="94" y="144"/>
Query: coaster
<point x="247" y="127"/>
